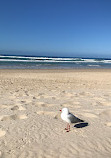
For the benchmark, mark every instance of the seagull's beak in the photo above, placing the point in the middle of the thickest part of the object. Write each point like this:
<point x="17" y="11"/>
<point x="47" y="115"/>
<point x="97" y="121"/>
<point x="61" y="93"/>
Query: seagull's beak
<point x="60" y="110"/>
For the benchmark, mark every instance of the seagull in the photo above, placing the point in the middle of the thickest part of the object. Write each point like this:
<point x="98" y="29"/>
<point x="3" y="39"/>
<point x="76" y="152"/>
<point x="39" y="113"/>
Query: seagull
<point x="69" y="118"/>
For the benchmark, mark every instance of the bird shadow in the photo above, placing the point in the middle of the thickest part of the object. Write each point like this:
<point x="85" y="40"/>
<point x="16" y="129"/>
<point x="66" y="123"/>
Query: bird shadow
<point x="81" y="125"/>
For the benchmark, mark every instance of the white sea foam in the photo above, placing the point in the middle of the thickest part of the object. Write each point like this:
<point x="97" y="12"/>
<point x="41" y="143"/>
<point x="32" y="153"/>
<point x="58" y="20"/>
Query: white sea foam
<point x="94" y="65"/>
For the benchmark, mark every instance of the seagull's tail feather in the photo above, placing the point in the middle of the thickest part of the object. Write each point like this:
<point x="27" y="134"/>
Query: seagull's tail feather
<point x="81" y="120"/>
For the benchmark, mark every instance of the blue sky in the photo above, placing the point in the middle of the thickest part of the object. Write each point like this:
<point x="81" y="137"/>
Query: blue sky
<point x="56" y="27"/>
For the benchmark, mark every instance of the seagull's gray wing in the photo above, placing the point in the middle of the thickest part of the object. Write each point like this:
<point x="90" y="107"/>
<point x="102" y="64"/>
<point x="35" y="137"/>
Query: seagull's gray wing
<point x="74" y="119"/>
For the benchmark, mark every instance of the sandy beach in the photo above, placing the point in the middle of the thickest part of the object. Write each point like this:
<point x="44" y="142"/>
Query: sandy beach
<point x="30" y="122"/>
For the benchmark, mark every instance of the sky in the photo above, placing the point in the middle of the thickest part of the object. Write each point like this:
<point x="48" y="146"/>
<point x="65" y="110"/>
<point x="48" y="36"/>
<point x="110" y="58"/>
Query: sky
<point x="74" y="28"/>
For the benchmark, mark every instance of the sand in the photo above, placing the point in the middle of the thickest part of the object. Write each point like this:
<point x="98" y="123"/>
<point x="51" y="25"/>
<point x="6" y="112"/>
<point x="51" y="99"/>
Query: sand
<point x="30" y="123"/>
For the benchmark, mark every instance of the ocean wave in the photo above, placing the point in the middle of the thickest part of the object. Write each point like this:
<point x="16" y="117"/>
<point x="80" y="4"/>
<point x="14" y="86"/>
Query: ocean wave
<point x="51" y="59"/>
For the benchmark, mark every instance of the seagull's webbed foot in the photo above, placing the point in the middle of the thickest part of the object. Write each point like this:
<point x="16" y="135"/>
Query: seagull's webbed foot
<point x="67" y="127"/>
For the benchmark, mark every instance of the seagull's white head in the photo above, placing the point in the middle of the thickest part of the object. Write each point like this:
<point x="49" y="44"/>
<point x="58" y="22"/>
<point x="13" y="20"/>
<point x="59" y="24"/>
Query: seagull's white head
<point x="65" y="111"/>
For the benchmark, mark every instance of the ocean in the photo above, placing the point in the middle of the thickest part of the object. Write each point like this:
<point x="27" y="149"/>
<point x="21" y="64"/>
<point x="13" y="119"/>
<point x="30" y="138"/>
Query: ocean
<point x="28" y="62"/>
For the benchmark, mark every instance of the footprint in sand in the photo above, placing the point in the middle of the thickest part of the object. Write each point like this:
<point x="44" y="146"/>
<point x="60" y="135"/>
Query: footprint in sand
<point x="82" y="93"/>
<point x="23" y="101"/>
<point x="17" y="108"/>
<point x="26" y="101"/>
<point x="86" y="94"/>
<point x="41" y="95"/>
<point x="34" y="98"/>
<point x="42" y="104"/>
<point x="12" y="117"/>
<point x="2" y="132"/>
<point x="55" y="115"/>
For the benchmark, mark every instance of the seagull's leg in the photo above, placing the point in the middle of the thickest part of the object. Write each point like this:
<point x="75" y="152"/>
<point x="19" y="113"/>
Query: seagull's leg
<point x="67" y="127"/>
